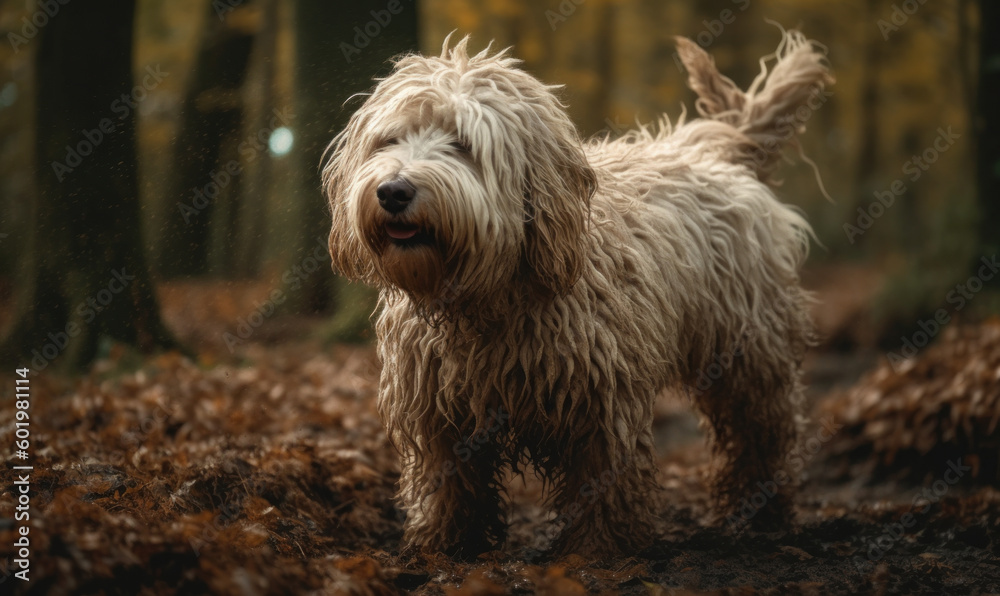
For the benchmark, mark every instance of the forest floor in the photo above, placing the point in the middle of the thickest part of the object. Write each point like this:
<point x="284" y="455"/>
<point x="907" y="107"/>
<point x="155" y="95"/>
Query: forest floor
<point x="267" y="472"/>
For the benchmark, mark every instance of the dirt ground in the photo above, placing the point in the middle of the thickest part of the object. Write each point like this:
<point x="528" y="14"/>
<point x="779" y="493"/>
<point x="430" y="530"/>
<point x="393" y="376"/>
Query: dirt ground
<point x="270" y="474"/>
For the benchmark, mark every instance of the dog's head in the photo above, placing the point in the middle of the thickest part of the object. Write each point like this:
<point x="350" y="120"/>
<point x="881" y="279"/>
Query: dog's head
<point x="459" y="175"/>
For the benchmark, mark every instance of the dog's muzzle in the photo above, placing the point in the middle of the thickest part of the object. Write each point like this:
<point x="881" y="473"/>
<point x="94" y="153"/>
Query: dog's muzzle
<point x="395" y="195"/>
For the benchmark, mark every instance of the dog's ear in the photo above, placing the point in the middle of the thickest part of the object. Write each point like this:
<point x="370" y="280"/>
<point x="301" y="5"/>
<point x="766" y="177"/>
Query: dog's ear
<point x="560" y="184"/>
<point x="346" y="251"/>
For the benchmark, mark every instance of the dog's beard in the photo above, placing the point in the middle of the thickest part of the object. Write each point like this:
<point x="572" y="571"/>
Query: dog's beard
<point x="416" y="269"/>
<point x="407" y="251"/>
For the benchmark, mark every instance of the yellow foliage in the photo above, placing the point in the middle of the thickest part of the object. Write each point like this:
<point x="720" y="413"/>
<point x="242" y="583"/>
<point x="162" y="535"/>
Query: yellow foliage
<point x="616" y="58"/>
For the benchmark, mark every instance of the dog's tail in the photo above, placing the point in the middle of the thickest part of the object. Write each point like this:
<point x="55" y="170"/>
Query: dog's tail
<point x="775" y="107"/>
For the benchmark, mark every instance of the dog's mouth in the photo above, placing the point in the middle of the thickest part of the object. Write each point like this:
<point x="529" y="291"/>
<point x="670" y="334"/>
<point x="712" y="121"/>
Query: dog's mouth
<point x="407" y="234"/>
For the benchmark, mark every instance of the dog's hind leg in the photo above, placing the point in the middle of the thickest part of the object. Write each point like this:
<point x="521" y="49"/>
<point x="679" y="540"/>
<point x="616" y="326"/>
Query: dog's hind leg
<point x="751" y="410"/>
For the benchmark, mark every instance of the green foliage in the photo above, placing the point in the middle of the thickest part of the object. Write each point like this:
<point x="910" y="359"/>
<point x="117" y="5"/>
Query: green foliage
<point x="352" y="322"/>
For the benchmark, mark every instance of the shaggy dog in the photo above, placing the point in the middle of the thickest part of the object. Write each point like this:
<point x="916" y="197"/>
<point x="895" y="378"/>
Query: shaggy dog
<point x="537" y="291"/>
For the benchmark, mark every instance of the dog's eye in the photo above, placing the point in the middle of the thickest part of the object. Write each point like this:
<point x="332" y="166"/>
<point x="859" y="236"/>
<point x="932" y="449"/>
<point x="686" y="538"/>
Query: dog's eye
<point x="460" y="147"/>
<point x="386" y="142"/>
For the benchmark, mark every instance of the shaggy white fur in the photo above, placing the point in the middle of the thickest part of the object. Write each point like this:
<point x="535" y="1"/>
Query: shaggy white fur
<point x="538" y="292"/>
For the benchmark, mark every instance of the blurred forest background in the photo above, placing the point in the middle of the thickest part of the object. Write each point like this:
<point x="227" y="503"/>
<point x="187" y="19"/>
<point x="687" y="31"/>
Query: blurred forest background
<point x="207" y="188"/>
<point x="160" y="198"/>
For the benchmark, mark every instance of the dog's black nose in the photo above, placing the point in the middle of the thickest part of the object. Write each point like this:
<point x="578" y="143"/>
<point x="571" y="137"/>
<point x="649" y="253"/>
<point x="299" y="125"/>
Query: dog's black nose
<point x="395" y="195"/>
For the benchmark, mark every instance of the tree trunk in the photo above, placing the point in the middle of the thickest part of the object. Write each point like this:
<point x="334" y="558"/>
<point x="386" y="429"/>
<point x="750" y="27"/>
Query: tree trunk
<point x="84" y="276"/>
<point x="988" y="132"/>
<point x="261" y="101"/>
<point x="206" y="184"/>
<point x="867" y="165"/>
<point x="337" y="57"/>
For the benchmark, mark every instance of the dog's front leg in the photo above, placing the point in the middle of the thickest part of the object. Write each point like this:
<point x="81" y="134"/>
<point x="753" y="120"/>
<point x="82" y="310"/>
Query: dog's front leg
<point x="605" y="503"/>
<point x="451" y="492"/>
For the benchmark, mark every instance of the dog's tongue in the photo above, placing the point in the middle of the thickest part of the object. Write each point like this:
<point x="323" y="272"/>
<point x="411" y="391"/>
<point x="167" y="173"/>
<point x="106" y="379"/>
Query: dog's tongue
<point x="401" y="232"/>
